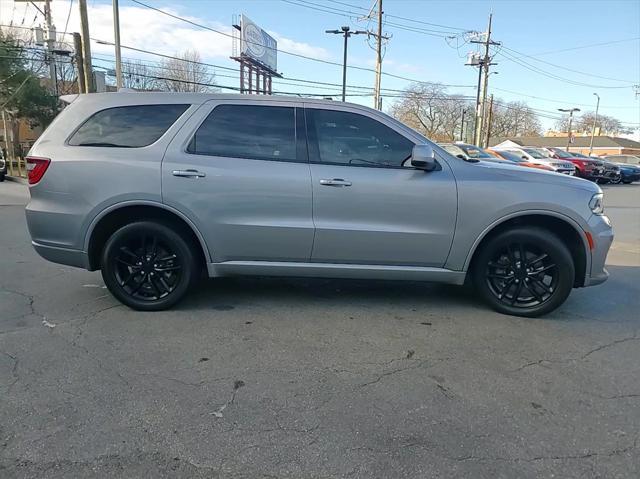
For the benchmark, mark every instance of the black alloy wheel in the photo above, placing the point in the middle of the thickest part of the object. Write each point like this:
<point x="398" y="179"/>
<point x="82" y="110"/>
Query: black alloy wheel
<point x="521" y="275"/>
<point x="525" y="271"/>
<point x="148" y="266"/>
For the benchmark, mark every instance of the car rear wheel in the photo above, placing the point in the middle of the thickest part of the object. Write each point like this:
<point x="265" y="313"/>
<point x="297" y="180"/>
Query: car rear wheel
<point x="148" y="266"/>
<point x="524" y="271"/>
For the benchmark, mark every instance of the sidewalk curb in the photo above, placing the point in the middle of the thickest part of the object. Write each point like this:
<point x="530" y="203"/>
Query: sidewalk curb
<point x="16" y="179"/>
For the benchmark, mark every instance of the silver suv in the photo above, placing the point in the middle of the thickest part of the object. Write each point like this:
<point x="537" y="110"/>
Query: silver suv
<point x="151" y="188"/>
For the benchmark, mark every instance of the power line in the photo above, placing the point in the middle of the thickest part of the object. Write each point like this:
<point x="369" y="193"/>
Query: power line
<point x="565" y="68"/>
<point x="280" y="51"/>
<point x="356" y="15"/>
<point x="555" y="100"/>
<point x="66" y="25"/>
<point x="545" y="73"/>
<point x="399" y="17"/>
<point x="580" y="47"/>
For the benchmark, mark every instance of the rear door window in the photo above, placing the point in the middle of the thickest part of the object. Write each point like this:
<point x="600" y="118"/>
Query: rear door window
<point x="247" y="131"/>
<point x="127" y="126"/>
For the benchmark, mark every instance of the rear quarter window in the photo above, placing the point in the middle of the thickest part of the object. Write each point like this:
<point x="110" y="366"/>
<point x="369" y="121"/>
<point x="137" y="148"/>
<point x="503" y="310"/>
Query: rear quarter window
<point x="127" y="126"/>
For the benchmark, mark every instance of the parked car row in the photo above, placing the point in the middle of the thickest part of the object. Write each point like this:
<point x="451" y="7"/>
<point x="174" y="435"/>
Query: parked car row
<point x="609" y="169"/>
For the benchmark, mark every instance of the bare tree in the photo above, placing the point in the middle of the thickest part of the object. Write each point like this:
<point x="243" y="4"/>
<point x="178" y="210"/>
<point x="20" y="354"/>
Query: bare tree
<point x="429" y="109"/>
<point x="185" y="73"/>
<point x="140" y="76"/>
<point x="514" y="118"/>
<point x="605" y="125"/>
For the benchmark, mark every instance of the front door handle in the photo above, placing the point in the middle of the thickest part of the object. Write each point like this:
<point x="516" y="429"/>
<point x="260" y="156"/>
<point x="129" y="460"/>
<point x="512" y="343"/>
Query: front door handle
<point x="188" y="173"/>
<point x="335" y="182"/>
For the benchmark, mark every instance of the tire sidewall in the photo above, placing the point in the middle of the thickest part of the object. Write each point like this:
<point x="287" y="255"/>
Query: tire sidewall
<point x="177" y="242"/>
<point x="546" y="241"/>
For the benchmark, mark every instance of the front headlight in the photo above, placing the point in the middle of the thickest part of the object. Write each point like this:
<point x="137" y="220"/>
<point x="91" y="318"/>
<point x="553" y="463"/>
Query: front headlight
<point x="597" y="204"/>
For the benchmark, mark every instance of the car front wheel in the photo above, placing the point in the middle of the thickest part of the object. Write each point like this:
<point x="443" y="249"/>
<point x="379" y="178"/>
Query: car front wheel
<point x="148" y="266"/>
<point x="525" y="271"/>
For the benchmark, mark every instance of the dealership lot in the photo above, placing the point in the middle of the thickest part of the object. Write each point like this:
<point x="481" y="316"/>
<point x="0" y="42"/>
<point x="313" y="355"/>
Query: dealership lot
<point x="295" y="378"/>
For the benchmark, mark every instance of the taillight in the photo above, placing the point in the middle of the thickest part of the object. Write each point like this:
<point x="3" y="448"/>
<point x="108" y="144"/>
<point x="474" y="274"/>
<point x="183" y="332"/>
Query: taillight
<point x="36" y="167"/>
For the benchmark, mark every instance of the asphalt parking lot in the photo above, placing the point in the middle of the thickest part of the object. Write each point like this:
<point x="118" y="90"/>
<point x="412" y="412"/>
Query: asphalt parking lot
<point x="290" y="378"/>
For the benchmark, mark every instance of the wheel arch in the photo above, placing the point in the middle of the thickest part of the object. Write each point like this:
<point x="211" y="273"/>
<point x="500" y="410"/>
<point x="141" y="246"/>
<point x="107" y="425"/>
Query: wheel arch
<point x="568" y="230"/>
<point x="115" y="216"/>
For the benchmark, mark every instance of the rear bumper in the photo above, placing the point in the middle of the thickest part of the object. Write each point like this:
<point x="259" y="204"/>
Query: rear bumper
<point x="69" y="257"/>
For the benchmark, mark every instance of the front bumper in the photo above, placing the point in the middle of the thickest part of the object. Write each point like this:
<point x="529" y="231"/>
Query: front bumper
<point x="602" y="234"/>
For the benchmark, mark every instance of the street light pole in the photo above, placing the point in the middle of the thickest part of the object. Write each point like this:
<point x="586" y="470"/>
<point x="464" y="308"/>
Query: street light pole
<point x="346" y="31"/>
<point x="570" y="111"/>
<point x="593" y="128"/>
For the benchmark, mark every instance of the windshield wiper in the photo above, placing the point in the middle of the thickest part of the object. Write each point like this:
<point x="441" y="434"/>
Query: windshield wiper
<point x="103" y="143"/>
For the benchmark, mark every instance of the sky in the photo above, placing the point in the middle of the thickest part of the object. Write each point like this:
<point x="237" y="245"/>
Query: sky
<point x="553" y="53"/>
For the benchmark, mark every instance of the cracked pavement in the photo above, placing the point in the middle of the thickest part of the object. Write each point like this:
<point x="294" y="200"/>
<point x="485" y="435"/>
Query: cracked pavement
<point x="300" y="378"/>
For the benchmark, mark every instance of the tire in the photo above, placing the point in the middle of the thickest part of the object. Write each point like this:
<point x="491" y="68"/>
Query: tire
<point x="148" y="266"/>
<point x="1" y="177"/>
<point x="616" y="181"/>
<point x="540" y="287"/>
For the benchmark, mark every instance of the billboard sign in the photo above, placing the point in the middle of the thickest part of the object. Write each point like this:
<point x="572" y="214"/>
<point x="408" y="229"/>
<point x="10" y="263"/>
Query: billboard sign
<point x="258" y="44"/>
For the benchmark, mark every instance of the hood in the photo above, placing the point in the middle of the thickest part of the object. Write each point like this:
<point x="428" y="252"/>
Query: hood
<point x="524" y="173"/>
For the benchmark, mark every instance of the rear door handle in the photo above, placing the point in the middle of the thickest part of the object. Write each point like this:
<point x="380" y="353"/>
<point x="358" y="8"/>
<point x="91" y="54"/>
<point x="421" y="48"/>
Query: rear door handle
<point x="189" y="173"/>
<point x="335" y="182"/>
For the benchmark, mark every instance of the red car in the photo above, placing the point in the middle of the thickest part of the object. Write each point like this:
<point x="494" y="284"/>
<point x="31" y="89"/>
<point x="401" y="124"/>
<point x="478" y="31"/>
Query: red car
<point x="589" y="168"/>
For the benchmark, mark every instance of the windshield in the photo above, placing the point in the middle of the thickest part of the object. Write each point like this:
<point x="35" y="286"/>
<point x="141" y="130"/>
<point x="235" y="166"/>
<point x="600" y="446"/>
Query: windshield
<point x="561" y="153"/>
<point x="475" y="152"/>
<point x="535" y="153"/>
<point x="580" y="155"/>
<point x="511" y="156"/>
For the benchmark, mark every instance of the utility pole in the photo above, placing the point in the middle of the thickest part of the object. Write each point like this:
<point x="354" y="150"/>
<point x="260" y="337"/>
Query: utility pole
<point x="51" y="38"/>
<point x="489" y="120"/>
<point x="77" y="46"/>
<point x="593" y="128"/>
<point x="346" y="32"/>
<point x="475" y="129"/>
<point x="86" y="47"/>
<point x="376" y="96"/>
<point x="570" y="111"/>
<point x="116" y="36"/>
<point x="485" y="63"/>
<point x="8" y="145"/>
<point x="464" y="112"/>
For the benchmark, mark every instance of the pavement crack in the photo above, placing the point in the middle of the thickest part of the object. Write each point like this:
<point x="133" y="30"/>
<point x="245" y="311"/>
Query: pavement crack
<point x="608" y="345"/>
<point x="14" y="370"/>
<point x="390" y="373"/>
<point x="30" y="303"/>
<point x="541" y="362"/>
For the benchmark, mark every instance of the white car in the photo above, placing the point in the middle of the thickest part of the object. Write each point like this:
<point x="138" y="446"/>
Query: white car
<point x="535" y="155"/>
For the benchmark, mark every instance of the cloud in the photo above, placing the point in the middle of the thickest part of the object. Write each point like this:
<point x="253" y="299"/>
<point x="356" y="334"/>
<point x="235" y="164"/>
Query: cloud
<point x="300" y="48"/>
<point x="146" y="29"/>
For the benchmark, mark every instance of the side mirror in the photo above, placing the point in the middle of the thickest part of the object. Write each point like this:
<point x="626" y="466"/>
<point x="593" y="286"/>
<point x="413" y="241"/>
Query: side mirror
<point x="423" y="158"/>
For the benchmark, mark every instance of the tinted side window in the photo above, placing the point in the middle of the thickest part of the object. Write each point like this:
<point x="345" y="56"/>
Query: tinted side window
<point x="127" y="126"/>
<point x="345" y="138"/>
<point x="247" y="131"/>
